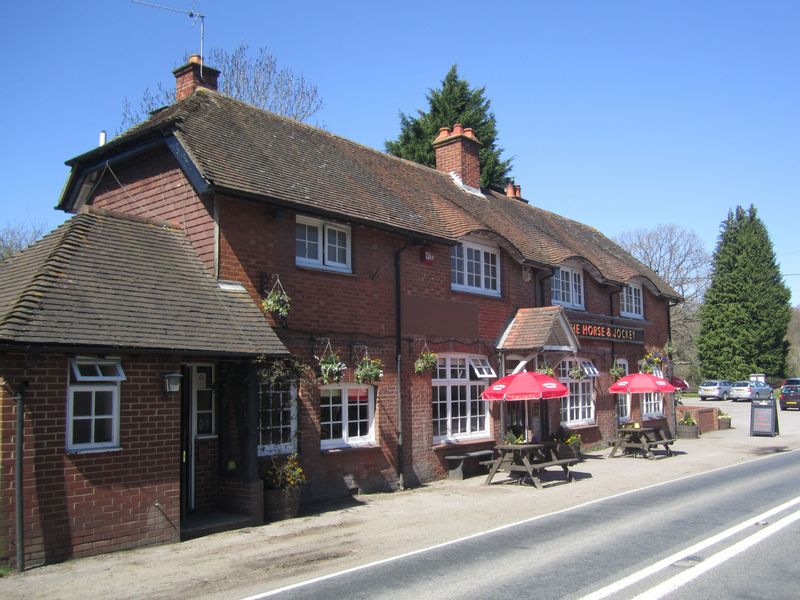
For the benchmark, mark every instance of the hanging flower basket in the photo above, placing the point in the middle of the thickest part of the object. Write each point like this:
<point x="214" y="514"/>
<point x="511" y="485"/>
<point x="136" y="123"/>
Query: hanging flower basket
<point x="369" y="370"/>
<point x="277" y="301"/>
<point x="426" y="362"/>
<point x="331" y="368"/>
<point x="576" y="373"/>
<point x="546" y="369"/>
<point x="616" y="371"/>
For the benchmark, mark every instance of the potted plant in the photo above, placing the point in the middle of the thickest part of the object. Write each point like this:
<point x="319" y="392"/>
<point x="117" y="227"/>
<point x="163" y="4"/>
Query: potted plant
<point x="369" y="370"/>
<point x="687" y="426"/>
<point x="569" y="443"/>
<point x="617" y="371"/>
<point x="277" y="302"/>
<point x="331" y="368"/>
<point x="426" y="362"/>
<point x="723" y="420"/>
<point x="283" y="481"/>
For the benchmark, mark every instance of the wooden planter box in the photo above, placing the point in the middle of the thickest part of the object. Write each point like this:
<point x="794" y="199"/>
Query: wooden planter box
<point x="281" y="504"/>
<point x="688" y="431"/>
<point x="723" y="423"/>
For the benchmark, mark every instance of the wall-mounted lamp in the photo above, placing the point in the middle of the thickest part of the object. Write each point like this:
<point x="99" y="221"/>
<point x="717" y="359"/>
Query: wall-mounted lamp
<point x="172" y="382"/>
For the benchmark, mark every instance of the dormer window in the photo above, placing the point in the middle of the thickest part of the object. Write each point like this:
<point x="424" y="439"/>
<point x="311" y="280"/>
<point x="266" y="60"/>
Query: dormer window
<point x="631" y="302"/>
<point x="322" y="244"/>
<point x="475" y="268"/>
<point x="567" y="287"/>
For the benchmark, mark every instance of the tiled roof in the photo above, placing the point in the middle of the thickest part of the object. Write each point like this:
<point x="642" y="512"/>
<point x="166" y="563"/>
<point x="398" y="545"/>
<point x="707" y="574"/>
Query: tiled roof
<point x="113" y="282"/>
<point x="538" y="328"/>
<point x="244" y="150"/>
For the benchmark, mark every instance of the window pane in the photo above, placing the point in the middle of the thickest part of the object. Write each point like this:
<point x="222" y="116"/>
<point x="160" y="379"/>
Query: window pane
<point x="103" y="403"/>
<point x="103" y="430"/>
<point x="307" y="241"/>
<point x="204" y="400"/>
<point x="457" y="265"/>
<point x="88" y="370"/>
<point x="82" y="431"/>
<point x="473" y="267"/>
<point x="108" y="369"/>
<point x="82" y="404"/>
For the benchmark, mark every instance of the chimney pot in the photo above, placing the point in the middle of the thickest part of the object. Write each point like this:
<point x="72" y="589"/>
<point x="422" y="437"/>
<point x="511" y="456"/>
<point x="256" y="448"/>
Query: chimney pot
<point x="468" y="131"/>
<point x="458" y="129"/>
<point x="510" y="189"/>
<point x="457" y="151"/>
<point x="517" y="191"/>
<point x="443" y="133"/>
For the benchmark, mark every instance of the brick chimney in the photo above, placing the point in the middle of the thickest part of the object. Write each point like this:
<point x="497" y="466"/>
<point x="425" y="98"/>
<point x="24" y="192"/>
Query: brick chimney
<point x="457" y="152"/>
<point x="513" y="190"/>
<point x="188" y="77"/>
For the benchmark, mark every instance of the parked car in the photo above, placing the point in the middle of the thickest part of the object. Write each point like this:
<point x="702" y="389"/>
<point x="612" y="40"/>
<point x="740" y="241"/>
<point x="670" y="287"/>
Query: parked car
<point x="792" y="381"/>
<point x="750" y="390"/>
<point x="790" y="397"/>
<point x="714" y="388"/>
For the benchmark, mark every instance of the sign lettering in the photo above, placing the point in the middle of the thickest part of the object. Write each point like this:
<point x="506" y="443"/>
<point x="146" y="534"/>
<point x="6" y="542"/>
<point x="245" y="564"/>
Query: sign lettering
<point x="610" y="332"/>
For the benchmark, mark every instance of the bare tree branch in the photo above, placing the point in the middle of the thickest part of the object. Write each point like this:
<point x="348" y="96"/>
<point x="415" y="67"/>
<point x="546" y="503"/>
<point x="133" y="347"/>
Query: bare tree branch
<point x="14" y="238"/>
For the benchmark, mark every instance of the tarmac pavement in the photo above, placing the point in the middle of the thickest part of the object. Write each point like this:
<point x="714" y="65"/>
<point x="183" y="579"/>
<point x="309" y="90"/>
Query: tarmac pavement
<point x="367" y="528"/>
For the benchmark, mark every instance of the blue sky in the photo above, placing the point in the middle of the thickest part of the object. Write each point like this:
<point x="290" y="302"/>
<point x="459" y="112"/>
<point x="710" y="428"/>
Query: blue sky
<point x="620" y="114"/>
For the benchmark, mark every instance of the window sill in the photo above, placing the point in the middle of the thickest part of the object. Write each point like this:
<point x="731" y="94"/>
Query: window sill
<point x="322" y="269"/>
<point x="631" y="316"/>
<point x="72" y="451"/>
<point x="476" y="292"/>
<point x="348" y="449"/>
<point x="449" y="444"/>
<point x="206" y="437"/>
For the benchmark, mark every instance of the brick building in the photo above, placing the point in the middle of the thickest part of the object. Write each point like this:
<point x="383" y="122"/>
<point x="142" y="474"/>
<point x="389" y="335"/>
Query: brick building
<point x="381" y="258"/>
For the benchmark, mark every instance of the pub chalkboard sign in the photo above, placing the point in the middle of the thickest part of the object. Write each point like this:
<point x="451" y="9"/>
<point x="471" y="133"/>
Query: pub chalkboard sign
<point x="764" y="417"/>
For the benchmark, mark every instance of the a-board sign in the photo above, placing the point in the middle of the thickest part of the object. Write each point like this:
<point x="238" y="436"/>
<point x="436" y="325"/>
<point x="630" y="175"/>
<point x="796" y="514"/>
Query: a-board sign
<point x="764" y="417"/>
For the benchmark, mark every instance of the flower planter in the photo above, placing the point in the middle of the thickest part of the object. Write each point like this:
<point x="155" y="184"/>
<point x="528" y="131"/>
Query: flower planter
<point x="688" y="431"/>
<point x="568" y="451"/>
<point x="281" y="504"/>
<point x="723" y="423"/>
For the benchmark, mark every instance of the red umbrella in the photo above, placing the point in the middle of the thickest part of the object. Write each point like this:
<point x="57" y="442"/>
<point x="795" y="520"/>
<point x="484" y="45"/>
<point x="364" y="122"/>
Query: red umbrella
<point x="641" y="383"/>
<point x="680" y="384"/>
<point x="525" y="386"/>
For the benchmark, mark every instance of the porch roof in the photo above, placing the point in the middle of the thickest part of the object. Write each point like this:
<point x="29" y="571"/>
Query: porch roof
<point x="105" y="281"/>
<point x="539" y="329"/>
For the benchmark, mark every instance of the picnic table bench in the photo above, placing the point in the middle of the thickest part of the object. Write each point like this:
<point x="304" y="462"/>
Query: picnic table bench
<point x="466" y="464"/>
<point x="641" y="440"/>
<point x="528" y="461"/>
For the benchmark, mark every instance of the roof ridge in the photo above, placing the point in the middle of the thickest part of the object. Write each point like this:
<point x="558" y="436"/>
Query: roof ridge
<point x="32" y="292"/>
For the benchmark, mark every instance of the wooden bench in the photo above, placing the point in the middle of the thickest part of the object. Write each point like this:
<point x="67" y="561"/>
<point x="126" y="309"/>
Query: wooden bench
<point x="464" y="465"/>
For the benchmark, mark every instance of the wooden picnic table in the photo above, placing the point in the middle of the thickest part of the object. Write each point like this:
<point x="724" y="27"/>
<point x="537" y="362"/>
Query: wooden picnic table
<point x="527" y="461"/>
<point x="641" y="439"/>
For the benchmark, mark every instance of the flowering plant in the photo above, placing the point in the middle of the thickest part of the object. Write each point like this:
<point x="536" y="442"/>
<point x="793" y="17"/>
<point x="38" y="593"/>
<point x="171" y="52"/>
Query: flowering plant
<point x="331" y="368"/>
<point x="426" y="361"/>
<point x="545" y="369"/>
<point x="369" y="370"/>
<point x="576" y="373"/>
<point x="723" y="415"/>
<point x="616" y="371"/>
<point x="285" y="474"/>
<point x="687" y="419"/>
<point x="277" y="302"/>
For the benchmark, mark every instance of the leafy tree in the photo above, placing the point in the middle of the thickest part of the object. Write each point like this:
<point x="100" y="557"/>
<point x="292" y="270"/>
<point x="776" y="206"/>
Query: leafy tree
<point x="455" y="102"/>
<point x="679" y="256"/>
<point x="257" y="80"/>
<point x="14" y="238"/>
<point x="793" y="337"/>
<point x="745" y="315"/>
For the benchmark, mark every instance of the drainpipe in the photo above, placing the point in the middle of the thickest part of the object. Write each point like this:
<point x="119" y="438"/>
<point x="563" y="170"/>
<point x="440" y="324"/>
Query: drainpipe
<point x="669" y="338"/>
<point x="397" y="349"/>
<point x="614" y="352"/>
<point x="19" y="396"/>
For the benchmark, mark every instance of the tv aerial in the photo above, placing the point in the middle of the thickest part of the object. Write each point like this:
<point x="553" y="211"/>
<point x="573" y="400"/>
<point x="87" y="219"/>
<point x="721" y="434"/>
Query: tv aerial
<point x="192" y="14"/>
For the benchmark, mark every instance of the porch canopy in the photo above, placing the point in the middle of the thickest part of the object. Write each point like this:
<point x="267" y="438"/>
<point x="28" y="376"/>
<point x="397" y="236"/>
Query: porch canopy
<point x="535" y="331"/>
<point x="641" y="383"/>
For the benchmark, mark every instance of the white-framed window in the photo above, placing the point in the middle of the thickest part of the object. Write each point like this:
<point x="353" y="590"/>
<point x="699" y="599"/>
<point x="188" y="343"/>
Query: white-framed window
<point x="578" y="407"/>
<point x="623" y="362"/>
<point x="589" y="369"/>
<point x="204" y="402"/>
<point x="652" y="370"/>
<point x="277" y="419"/>
<point x="475" y="268"/>
<point x="347" y="415"/>
<point x="458" y="410"/>
<point x="322" y="244"/>
<point x="567" y="287"/>
<point x="623" y="407"/>
<point x="652" y="405"/>
<point x="631" y="301"/>
<point x="93" y="404"/>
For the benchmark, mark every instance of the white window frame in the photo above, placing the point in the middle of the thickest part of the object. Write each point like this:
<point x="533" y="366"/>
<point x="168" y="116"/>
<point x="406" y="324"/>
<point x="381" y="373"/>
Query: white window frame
<point x="480" y="365"/>
<point x="323" y="260"/>
<point x="623" y="407"/>
<point x="578" y="408"/>
<point x="108" y="382"/>
<point x="631" y="301"/>
<point x="451" y="378"/>
<point x="652" y="405"/>
<point x="345" y="441"/>
<point x="195" y="387"/>
<point x="622" y="362"/>
<point x="588" y="368"/>
<point x="566" y="287"/>
<point x="286" y="394"/>
<point x="488" y="264"/>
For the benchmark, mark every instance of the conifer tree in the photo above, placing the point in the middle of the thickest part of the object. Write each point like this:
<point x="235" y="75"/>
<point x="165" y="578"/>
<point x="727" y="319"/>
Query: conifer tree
<point x="455" y="102"/>
<point x="745" y="314"/>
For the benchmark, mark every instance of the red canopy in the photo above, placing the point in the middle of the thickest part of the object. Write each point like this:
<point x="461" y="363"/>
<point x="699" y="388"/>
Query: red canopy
<point x="679" y="383"/>
<point x="525" y="386"/>
<point x="641" y="383"/>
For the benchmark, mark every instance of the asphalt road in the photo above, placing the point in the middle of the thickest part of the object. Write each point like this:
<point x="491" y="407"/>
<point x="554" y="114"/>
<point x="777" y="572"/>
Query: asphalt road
<point x="576" y="552"/>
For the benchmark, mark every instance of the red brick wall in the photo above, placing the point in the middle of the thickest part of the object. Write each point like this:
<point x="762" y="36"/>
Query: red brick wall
<point x="156" y="188"/>
<point x="83" y="504"/>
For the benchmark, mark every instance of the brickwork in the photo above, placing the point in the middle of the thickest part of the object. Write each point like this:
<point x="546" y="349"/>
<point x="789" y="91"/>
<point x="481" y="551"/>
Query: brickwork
<point x="153" y="186"/>
<point x="89" y="503"/>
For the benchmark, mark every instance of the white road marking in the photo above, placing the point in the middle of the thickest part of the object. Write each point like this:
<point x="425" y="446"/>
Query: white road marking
<point x="306" y="582"/>
<point x="683" y="554"/>
<point x="673" y="583"/>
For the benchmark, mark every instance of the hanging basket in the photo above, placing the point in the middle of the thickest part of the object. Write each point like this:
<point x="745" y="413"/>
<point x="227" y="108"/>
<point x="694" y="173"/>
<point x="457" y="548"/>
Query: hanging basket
<point x="426" y="362"/>
<point x="277" y="301"/>
<point x="369" y="370"/>
<point x="331" y="368"/>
